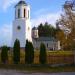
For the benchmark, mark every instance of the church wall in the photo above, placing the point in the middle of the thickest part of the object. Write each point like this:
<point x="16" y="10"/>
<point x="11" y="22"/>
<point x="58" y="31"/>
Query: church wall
<point x="28" y="31"/>
<point x="50" y="45"/>
<point x="19" y="33"/>
<point x="35" y="34"/>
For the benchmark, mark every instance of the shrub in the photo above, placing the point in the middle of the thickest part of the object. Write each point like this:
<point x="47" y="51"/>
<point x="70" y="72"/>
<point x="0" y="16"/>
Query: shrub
<point x="16" y="52"/>
<point x="42" y="56"/>
<point x="29" y="53"/>
<point x="4" y="54"/>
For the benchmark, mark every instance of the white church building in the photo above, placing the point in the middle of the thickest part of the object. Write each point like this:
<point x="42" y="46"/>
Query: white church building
<point x="22" y="29"/>
<point x="21" y="24"/>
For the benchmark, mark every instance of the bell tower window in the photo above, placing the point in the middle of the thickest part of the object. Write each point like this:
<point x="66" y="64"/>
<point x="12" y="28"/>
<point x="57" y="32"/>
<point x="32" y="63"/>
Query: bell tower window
<point x="24" y="13"/>
<point x="18" y="13"/>
<point x="28" y="13"/>
<point x="15" y="14"/>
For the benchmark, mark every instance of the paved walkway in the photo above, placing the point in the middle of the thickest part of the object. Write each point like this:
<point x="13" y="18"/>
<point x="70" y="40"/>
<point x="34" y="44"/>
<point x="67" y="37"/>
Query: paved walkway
<point x="13" y="72"/>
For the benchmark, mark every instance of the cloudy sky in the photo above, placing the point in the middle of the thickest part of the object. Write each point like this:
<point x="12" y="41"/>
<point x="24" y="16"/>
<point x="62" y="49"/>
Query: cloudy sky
<point x="41" y="11"/>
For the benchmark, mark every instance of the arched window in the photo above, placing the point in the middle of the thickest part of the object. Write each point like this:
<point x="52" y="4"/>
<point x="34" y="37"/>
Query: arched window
<point x="24" y="12"/>
<point x="47" y="45"/>
<point x="18" y="13"/>
<point x="15" y="14"/>
<point x="28" y="13"/>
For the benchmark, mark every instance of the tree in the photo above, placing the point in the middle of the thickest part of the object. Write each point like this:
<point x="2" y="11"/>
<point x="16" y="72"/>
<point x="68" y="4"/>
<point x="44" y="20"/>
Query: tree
<point x="4" y="54"/>
<point x="16" y="52"/>
<point x="29" y="53"/>
<point x="43" y="55"/>
<point x="46" y="30"/>
<point x="40" y="30"/>
<point x="26" y="51"/>
<point x="61" y="36"/>
<point x="67" y="21"/>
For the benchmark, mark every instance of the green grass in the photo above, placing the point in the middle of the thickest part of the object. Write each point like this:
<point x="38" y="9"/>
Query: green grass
<point x="57" y="52"/>
<point x="60" y="52"/>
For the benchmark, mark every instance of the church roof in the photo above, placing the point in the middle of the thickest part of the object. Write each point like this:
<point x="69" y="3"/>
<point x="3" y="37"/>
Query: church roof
<point x="21" y="3"/>
<point x="46" y="39"/>
<point x="34" y="28"/>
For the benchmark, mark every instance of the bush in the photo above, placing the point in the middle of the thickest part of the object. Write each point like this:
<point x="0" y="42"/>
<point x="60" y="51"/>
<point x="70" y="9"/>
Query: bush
<point x="4" y="54"/>
<point x="16" y="52"/>
<point x="29" y="53"/>
<point x="42" y="56"/>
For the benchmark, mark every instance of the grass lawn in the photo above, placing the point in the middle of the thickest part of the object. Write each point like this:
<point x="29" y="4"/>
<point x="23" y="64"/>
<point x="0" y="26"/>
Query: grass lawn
<point x="57" y="52"/>
<point x="60" y="52"/>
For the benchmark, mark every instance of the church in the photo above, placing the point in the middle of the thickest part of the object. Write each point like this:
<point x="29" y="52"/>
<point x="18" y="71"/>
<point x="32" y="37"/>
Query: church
<point x="22" y="29"/>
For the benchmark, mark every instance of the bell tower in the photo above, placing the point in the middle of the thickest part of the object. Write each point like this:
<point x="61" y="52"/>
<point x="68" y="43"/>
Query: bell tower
<point x="21" y="23"/>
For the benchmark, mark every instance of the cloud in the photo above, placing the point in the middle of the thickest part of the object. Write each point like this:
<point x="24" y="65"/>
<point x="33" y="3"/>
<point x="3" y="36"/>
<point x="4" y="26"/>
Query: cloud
<point x="5" y="4"/>
<point x="5" y="34"/>
<point x="46" y="17"/>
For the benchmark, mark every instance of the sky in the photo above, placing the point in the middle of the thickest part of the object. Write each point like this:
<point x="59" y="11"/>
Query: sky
<point x="41" y="11"/>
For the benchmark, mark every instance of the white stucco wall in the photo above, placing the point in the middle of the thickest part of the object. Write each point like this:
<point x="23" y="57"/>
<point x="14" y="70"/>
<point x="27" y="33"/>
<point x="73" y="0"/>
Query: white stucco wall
<point x="19" y="34"/>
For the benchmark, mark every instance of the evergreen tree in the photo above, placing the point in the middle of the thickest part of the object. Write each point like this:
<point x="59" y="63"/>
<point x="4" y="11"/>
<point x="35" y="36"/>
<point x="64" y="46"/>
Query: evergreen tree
<point x="16" y="52"/>
<point x="4" y="54"/>
<point x="26" y="51"/>
<point x="46" y="30"/>
<point x="29" y="53"/>
<point x="42" y="56"/>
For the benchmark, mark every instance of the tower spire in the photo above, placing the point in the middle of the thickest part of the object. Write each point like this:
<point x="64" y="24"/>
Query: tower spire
<point x="22" y="0"/>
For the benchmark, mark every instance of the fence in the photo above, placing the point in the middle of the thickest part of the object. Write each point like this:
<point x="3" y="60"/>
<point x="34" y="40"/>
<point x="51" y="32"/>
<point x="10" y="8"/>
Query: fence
<point x="57" y="59"/>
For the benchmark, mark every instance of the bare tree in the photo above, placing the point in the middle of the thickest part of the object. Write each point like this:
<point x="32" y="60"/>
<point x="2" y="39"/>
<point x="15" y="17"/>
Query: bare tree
<point x="67" y="21"/>
<point x="68" y="18"/>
